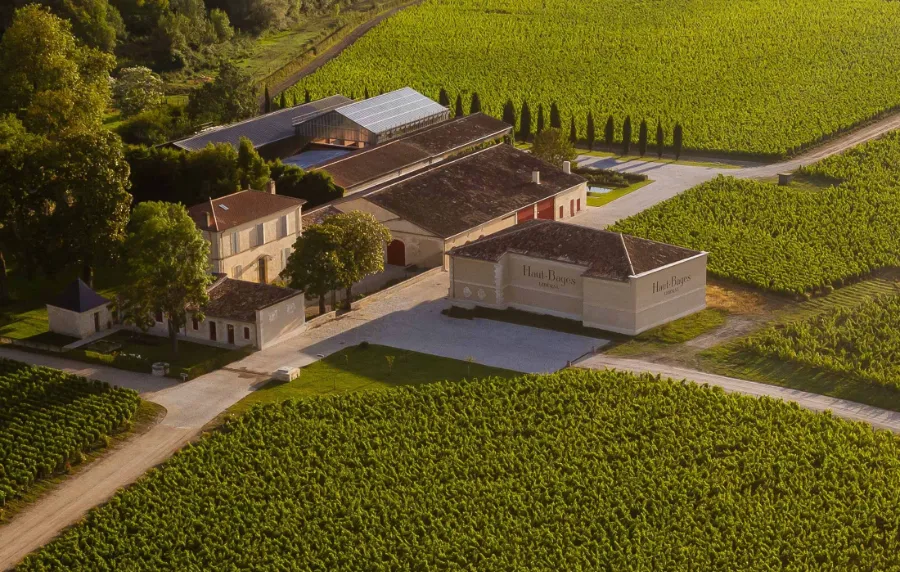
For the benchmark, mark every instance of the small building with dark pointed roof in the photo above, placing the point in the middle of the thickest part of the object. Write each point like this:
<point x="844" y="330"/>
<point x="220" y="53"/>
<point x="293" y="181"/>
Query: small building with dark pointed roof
<point x="78" y="311"/>
<point x="604" y="279"/>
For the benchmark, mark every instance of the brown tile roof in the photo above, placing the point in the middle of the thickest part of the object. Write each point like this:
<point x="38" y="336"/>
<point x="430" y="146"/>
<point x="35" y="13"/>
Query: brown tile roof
<point x="240" y="208"/>
<point x="606" y="254"/>
<point x="453" y="197"/>
<point x="239" y="300"/>
<point x="317" y="215"/>
<point x="458" y="133"/>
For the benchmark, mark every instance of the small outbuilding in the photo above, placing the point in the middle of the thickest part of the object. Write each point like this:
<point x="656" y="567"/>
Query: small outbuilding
<point x="78" y="311"/>
<point x="604" y="279"/>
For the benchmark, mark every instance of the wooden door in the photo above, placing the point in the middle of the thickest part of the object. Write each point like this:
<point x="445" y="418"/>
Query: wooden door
<point x="396" y="253"/>
<point x="212" y="331"/>
<point x="230" y="334"/>
<point x="262" y="271"/>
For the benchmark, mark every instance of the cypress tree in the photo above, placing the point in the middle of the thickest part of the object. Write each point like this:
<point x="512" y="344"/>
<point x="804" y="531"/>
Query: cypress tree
<point x="591" y="135"/>
<point x="509" y="113"/>
<point x="573" y="135"/>
<point x="459" y="108"/>
<point x="268" y="101"/>
<point x="525" y="122"/>
<point x="626" y="136"/>
<point x="306" y="97"/>
<point x="609" y="132"/>
<point x="475" y="106"/>
<point x="660" y="139"/>
<point x="642" y="138"/>
<point x="283" y="103"/>
<point x="366" y="93"/>
<point x="293" y="99"/>
<point x="677" y="136"/>
<point x="555" y="119"/>
<point x="443" y="98"/>
<point x="540" y="118"/>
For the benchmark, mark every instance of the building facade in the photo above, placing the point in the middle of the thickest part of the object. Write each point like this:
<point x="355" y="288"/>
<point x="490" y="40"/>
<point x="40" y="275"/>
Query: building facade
<point x="79" y="312"/>
<point x="603" y="279"/>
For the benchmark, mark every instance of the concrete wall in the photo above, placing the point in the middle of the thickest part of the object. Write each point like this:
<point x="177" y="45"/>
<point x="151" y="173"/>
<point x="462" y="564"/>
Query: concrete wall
<point x="77" y="325"/>
<point x="565" y="200"/>
<point x="543" y="286"/>
<point x="670" y="293"/>
<point x="201" y="334"/>
<point x="280" y="319"/>
<point x="224" y="260"/>
<point x="476" y="281"/>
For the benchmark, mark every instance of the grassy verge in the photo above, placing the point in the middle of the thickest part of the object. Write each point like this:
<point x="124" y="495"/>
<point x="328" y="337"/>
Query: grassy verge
<point x="147" y="415"/>
<point x="662" y="338"/>
<point x="363" y="368"/>
<point x="664" y="160"/>
<point x="598" y="200"/>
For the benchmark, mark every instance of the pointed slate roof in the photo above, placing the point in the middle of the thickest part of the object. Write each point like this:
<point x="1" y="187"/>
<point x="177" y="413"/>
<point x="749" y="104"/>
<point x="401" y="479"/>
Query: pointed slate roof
<point x="78" y="297"/>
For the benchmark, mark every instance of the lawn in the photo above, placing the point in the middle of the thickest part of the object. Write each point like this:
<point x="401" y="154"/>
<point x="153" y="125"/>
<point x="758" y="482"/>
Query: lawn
<point x="366" y="368"/>
<point x="600" y="199"/>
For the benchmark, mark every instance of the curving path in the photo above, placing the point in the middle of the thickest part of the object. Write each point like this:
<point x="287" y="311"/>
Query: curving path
<point x="670" y="179"/>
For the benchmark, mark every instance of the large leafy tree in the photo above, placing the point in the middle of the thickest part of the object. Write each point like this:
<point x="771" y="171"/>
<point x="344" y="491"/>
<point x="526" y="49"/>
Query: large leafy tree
<point x="137" y="89"/>
<point x="551" y="146"/>
<point x="315" y="265"/>
<point x="229" y="98"/>
<point x="168" y="267"/>
<point x="95" y="23"/>
<point x="49" y="82"/>
<point x="315" y="187"/>
<point x="361" y="248"/>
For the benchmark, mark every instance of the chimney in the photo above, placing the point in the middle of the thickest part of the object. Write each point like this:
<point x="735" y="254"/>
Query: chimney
<point x="270" y="187"/>
<point x="536" y="177"/>
<point x="567" y="167"/>
<point x="209" y="219"/>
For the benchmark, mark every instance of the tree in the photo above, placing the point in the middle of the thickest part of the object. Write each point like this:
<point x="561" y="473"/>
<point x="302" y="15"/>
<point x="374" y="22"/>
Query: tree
<point x="475" y="107"/>
<point x="229" y="98"/>
<point x="49" y="82"/>
<point x="444" y="98"/>
<point x="361" y="248"/>
<point x="677" y="140"/>
<point x="540" y="119"/>
<point x="136" y="90"/>
<point x="525" y="122"/>
<point x="642" y="138"/>
<point x="458" y="112"/>
<point x="509" y="113"/>
<point x="366" y="93"/>
<point x="315" y="187"/>
<point x="660" y="139"/>
<point x="315" y="266"/>
<point x="626" y="136"/>
<point x="609" y="133"/>
<point x="282" y="101"/>
<point x="555" y="119"/>
<point x="591" y="131"/>
<point x="89" y="182"/>
<point x="306" y="97"/>
<point x="252" y="169"/>
<point x="267" y="101"/>
<point x="573" y="134"/>
<point x="167" y="267"/>
<point x="552" y="147"/>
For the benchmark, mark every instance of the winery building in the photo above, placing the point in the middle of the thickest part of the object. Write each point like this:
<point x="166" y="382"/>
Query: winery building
<point x="604" y="279"/>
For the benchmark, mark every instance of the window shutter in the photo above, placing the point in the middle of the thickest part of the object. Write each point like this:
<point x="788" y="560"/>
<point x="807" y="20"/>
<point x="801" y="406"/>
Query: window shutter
<point x="235" y="242"/>
<point x="261" y="234"/>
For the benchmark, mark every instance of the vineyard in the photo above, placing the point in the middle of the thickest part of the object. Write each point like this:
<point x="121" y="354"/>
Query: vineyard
<point x="573" y="471"/>
<point x="49" y="419"/>
<point x="877" y="161"/>
<point x="757" y="76"/>
<point x="862" y="341"/>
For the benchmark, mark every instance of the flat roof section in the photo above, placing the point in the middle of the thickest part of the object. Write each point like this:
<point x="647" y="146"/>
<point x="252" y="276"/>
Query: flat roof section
<point x="389" y="110"/>
<point x="263" y="129"/>
<point x="376" y="162"/>
<point x="606" y="254"/>
<point x="453" y="197"/>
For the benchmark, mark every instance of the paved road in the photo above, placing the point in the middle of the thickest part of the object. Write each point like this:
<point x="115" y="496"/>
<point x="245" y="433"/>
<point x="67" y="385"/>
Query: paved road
<point x="408" y="318"/>
<point x="879" y="418"/>
<point x="671" y="179"/>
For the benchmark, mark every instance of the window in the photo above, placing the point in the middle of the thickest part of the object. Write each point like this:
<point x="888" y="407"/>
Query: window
<point x="212" y="331"/>
<point x="235" y="242"/>
<point x="260" y="234"/>
<point x="246" y="333"/>
<point x="237" y="271"/>
<point x="561" y="212"/>
<point x="195" y="323"/>
<point x="159" y="316"/>
<point x="283" y="226"/>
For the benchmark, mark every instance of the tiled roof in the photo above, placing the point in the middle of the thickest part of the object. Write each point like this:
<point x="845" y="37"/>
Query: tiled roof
<point x="604" y="253"/>
<point x="452" y="197"/>
<point x="262" y="129"/>
<point x="389" y="110"/>
<point x="78" y="297"/>
<point x="317" y="215"/>
<point x="375" y="162"/>
<point x="240" y="208"/>
<point x="239" y="300"/>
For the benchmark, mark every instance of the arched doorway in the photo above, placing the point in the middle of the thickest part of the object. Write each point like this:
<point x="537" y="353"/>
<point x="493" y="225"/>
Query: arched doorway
<point x="396" y="253"/>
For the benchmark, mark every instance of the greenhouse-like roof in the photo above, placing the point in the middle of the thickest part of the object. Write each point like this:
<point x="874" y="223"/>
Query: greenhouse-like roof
<point x="387" y="111"/>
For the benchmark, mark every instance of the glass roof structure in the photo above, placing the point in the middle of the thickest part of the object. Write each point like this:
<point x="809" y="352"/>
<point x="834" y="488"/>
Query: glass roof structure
<point x="391" y="110"/>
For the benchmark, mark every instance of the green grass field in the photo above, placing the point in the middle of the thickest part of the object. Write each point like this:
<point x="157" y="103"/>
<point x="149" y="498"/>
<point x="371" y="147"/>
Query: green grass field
<point x="598" y="200"/>
<point x="756" y="76"/>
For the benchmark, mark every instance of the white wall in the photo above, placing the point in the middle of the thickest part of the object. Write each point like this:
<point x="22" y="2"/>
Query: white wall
<point x="280" y="319"/>
<point x="77" y="325"/>
<point x="223" y="259"/>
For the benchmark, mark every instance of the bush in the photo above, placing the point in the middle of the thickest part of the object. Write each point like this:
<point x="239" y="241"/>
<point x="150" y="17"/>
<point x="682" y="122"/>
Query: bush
<point x="609" y="178"/>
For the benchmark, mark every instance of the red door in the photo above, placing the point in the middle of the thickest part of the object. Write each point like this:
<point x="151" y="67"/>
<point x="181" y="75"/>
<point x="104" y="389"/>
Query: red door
<point x="545" y="209"/>
<point x="396" y="253"/>
<point x="525" y="214"/>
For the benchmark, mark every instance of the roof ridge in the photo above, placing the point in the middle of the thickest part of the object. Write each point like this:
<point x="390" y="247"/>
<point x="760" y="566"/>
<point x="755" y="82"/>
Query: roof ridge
<point x="212" y="208"/>
<point x="627" y="255"/>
